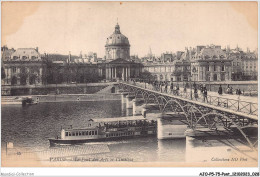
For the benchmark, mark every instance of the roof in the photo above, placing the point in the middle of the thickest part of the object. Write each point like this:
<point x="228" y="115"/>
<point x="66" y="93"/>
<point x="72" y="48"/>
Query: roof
<point x="116" y="119"/>
<point x="117" y="39"/>
<point x="26" y="52"/>
<point x="6" y="54"/>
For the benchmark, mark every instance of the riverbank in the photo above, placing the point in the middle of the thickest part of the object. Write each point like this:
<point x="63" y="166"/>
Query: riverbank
<point x="89" y="88"/>
<point x="62" y="98"/>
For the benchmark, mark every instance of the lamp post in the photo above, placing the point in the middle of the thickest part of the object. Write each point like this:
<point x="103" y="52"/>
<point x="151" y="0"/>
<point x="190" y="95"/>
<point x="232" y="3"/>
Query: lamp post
<point x="190" y="88"/>
<point x="190" y="85"/>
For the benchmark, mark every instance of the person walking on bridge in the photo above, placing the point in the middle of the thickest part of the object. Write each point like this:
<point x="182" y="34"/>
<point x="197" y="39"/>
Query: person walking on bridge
<point x="171" y="87"/>
<point x="177" y="89"/>
<point x="196" y="94"/>
<point x="220" y="90"/>
<point x="205" y="94"/>
<point x="166" y="87"/>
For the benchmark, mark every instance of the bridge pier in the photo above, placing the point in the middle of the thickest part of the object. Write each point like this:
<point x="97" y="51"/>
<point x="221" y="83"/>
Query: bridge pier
<point x="129" y="102"/>
<point x="123" y="97"/>
<point x="173" y="129"/>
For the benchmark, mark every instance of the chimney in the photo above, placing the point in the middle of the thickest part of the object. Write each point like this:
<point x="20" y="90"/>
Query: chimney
<point x="69" y="57"/>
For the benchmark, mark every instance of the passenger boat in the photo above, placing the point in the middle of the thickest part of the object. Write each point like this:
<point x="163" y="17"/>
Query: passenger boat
<point x="106" y="129"/>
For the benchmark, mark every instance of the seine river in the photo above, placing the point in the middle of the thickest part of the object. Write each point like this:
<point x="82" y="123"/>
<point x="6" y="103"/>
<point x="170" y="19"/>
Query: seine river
<point x="31" y="126"/>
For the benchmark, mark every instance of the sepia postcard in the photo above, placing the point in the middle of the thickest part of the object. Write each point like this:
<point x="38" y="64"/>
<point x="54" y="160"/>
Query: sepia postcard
<point x="129" y="84"/>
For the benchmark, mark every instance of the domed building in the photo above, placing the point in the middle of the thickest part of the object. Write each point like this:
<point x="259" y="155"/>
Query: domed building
<point x="118" y="65"/>
<point x="117" y="46"/>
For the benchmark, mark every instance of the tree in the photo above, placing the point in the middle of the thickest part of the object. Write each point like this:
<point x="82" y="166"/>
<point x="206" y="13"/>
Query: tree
<point x="146" y="75"/>
<point x="3" y="72"/>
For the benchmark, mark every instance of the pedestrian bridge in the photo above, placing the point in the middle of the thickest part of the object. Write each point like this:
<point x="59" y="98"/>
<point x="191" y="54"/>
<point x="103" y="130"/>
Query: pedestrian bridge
<point x="212" y="112"/>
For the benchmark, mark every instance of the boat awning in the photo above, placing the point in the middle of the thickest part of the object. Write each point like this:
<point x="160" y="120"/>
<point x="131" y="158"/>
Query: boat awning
<point x="117" y="119"/>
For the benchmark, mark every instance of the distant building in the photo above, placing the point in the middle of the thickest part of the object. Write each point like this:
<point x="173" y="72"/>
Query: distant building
<point x="22" y="67"/>
<point x="167" y="57"/>
<point x="249" y="66"/>
<point x="210" y="64"/>
<point x="161" y="71"/>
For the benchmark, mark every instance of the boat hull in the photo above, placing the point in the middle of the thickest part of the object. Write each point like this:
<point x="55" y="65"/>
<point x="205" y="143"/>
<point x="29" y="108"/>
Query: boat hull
<point x="54" y="142"/>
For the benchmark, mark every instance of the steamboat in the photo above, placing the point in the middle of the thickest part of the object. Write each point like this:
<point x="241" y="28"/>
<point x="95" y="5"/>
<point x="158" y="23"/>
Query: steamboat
<point x="106" y="129"/>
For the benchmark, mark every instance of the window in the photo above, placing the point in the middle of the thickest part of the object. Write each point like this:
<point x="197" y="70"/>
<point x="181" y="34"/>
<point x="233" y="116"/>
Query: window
<point x="207" y="68"/>
<point x="222" y="68"/>
<point x="237" y="63"/>
<point x="90" y="133"/>
<point x="66" y="134"/>
<point x="83" y="133"/>
<point x="73" y="133"/>
<point x="69" y="134"/>
<point x="95" y="132"/>
<point x="214" y="68"/>
<point x="14" y="69"/>
<point x="77" y="133"/>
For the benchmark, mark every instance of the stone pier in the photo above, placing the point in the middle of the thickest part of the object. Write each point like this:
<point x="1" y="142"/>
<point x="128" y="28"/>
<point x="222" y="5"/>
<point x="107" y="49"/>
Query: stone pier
<point x="123" y="97"/>
<point x="129" y="101"/>
<point x="170" y="128"/>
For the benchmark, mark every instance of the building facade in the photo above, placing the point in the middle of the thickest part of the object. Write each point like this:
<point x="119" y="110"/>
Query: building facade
<point x="22" y="67"/>
<point x="210" y="64"/>
<point x="119" y="65"/>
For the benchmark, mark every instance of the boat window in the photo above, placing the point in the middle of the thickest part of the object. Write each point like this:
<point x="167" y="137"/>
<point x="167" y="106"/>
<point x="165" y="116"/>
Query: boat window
<point x="66" y="133"/>
<point x="73" y="133"/>
<point x="77" y="133"/>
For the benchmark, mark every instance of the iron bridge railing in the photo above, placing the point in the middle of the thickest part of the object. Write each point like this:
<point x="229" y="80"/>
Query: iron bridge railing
<point x="232" y="104"/>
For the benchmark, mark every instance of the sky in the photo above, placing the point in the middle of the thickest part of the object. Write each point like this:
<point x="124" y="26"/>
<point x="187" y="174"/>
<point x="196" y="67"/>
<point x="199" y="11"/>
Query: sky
<point x="60" y="27"/>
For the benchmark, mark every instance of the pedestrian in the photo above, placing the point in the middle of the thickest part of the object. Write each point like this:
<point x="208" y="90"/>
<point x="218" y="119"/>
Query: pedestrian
<point x="196" y="94"/>
<point x="239" y="93"/>
<point x="171" y="87"/>
<point x="177" y="89"/>
<point x="166" y="87"/>
<point x="220" y="90"/>
<point x="228" y="90"/>
<point x="162" y="84"/>
<point x="205" y="94"/>
<point x="185" y="89"/>
<point x="194" y="85"/>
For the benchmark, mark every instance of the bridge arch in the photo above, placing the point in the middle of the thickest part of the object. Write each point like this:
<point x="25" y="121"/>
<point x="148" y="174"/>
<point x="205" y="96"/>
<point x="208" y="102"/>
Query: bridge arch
<point x="224" y="117"/>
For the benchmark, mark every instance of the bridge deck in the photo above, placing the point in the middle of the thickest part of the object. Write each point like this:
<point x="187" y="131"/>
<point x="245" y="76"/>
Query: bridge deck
<point x="250" y="116"/>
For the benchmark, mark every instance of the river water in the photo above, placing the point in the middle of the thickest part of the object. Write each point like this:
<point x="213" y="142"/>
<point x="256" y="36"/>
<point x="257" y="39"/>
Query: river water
<point x="30" y="127"/>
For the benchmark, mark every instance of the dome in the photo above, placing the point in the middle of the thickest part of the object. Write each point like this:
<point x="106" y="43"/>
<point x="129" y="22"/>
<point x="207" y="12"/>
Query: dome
<point x="117" y="39"/>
